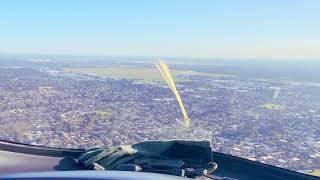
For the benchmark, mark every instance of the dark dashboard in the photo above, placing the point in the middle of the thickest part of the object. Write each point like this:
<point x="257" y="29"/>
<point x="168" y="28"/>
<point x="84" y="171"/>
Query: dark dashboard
<point x="53" y="163"/>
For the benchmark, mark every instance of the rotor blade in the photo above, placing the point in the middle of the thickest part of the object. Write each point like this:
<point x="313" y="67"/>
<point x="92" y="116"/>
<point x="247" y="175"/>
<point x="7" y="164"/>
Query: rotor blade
<point x="164" y="76"/>
<point x="165" y="72"/>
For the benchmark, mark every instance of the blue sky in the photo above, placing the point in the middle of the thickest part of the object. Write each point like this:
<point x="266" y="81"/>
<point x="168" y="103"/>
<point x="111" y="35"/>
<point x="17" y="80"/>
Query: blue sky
<point x="200" y="28"/>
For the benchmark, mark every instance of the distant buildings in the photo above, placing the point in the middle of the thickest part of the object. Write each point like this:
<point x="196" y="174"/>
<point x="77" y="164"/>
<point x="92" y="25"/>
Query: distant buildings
<point x="81" y="111"/>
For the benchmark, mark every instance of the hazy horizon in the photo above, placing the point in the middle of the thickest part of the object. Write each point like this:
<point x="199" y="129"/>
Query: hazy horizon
<point x="199" y="29"/>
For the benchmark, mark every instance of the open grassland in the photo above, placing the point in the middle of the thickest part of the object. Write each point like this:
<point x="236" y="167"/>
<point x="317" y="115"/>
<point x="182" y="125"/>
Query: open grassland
<point x="141" y="74"/>
<point x="274" y="106"/>
<point x="102" y="113"/>
<point x="315" y="172"/>
<point x="134" y="73"/>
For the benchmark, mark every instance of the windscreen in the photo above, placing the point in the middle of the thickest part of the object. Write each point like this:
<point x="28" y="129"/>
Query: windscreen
<point x="244" y="75"/>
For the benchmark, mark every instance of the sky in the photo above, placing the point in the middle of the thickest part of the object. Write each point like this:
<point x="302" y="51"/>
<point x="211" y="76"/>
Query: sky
<point x="275" y="29"/>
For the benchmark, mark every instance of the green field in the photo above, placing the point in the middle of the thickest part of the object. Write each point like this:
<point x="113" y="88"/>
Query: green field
<point x="141" y="74"/>
<point x="102" y="113"/>
<point x="315" y="172"/>
<point x="147" y="74"/>
<point x="274" y="106"/>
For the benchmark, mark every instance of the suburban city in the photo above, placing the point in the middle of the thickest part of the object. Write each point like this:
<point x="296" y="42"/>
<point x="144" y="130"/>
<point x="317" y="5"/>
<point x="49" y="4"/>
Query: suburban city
<point x="271" y="121"/>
